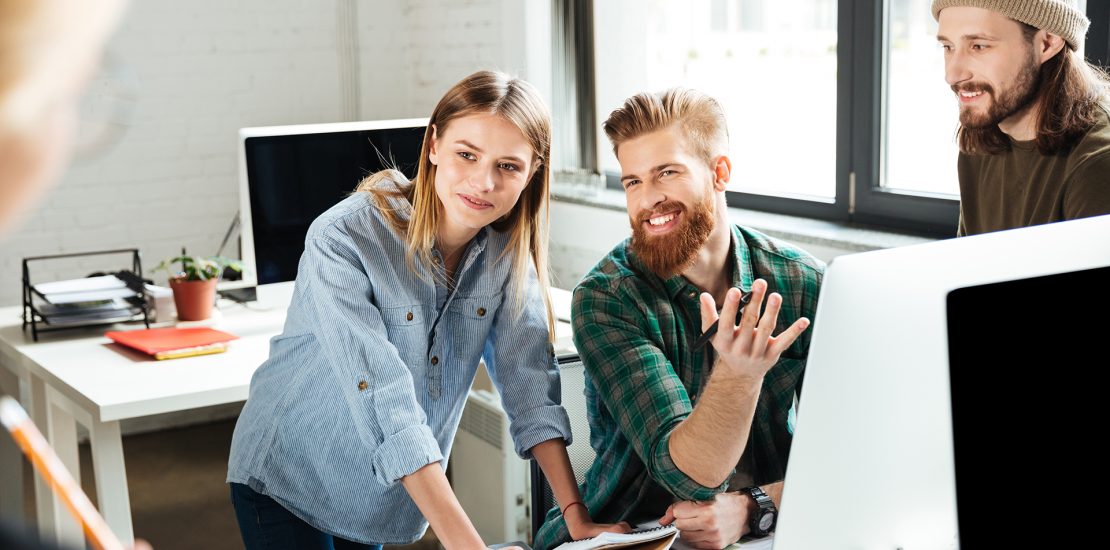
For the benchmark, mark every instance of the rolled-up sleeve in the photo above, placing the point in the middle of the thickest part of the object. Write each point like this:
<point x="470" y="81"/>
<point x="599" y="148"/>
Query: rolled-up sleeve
<point x="637" y="384"/>
<point x="522" y="365"/>
<point x="376" y="385"/>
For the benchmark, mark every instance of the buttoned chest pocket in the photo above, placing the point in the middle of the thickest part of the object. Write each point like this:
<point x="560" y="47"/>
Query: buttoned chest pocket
<point x="469" y="320"/>
<point x="404" y="326"/>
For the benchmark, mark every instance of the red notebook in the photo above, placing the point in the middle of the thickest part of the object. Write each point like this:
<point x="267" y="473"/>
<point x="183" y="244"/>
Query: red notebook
<point x="161" y="340"/>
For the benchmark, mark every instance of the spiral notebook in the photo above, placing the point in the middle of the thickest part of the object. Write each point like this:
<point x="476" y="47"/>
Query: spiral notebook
<point x="651" y="538"/>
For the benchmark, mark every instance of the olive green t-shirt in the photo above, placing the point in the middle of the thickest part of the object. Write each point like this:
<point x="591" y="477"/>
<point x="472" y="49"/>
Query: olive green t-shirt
<point x="1022" y="187"/>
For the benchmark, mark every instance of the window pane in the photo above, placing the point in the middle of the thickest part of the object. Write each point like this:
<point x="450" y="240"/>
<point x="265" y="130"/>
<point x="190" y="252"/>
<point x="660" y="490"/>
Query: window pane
<point x="771" y="63"/>
<point x="919" y="135"/>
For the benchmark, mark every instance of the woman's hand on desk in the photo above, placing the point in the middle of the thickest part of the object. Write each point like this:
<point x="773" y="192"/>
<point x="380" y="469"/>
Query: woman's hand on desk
<point x="581" y="526"/>
<point x="552" y="457"/>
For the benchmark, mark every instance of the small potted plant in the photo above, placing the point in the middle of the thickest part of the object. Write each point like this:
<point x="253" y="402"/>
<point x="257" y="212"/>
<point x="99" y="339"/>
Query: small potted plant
<point x="194" y="284"/>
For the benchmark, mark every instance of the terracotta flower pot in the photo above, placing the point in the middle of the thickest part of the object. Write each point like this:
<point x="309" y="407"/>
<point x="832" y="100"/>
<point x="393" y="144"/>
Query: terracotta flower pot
<point x="194" y="299"/>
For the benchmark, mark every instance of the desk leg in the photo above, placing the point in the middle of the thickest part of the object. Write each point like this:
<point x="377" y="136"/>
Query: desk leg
<point x="45" y="499"/>
<point x="62" y="435"/>
<point x="111" y="478"/>
<point x="11" y="481"/>
<point x="11" y="458"/>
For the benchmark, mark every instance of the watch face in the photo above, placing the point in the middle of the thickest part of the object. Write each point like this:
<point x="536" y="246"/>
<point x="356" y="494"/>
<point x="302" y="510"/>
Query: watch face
<point x="766" y="521"/>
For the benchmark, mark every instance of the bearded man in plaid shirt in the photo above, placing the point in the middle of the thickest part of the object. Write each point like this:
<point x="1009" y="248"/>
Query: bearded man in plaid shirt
<point x="697" y="436"/>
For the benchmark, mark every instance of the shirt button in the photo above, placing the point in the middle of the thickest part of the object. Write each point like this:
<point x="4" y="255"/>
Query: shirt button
<point x="362" y="385"/>
<point x="408" y="317"/>
<point x="692" y="293"/>
<point x="435" y="360"/>
<point x="481" y="312"/>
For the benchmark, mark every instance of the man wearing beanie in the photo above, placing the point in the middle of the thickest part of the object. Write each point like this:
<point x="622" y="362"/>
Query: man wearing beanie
<point x="1034" y="130"/>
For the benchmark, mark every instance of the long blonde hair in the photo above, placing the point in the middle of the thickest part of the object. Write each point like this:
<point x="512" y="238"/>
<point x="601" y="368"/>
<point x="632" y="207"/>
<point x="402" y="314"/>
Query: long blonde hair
<point x="518" y="102"/>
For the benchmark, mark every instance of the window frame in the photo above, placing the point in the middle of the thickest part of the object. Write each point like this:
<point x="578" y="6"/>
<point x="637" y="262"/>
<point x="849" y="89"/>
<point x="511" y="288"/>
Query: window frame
<point x="1097" y="46"/>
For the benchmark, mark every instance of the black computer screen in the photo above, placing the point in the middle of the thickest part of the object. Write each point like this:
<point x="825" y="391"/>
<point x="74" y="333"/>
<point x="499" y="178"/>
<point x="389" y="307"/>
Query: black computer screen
<point x="1027" y="360"/>
<point x="292" y="179"/>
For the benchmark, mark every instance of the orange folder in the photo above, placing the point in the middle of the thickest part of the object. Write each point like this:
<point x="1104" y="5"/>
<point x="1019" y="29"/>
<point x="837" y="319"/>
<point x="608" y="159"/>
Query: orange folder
<point x="167" y="343"/>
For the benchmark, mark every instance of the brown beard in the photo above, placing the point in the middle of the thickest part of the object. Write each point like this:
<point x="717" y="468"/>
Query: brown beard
<point x="671" y="254"/>
<point x="1018" y="97"/>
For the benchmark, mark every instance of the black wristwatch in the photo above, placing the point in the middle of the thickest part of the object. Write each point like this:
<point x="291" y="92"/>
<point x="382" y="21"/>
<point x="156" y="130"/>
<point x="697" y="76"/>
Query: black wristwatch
<point x="762" y="522"/>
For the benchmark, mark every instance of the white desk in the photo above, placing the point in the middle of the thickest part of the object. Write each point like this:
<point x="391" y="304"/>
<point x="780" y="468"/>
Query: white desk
<point x="81" y="377"/>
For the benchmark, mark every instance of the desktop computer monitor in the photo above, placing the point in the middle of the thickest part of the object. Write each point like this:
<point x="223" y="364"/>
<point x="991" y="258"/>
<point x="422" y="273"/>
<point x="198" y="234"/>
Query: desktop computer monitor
<point x="950" y="396"/>
<point x="289" y="175"/>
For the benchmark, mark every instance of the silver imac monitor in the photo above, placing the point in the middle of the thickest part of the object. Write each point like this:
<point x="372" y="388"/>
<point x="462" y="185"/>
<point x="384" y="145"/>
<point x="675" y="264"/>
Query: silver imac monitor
<point x="950" y="397"/>
<point x="289" y="175"/>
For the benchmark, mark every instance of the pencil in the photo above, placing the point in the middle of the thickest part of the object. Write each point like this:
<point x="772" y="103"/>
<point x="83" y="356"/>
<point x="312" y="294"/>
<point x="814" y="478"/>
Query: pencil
<point x="50" y="467"/>
<point x="708" y="334"/>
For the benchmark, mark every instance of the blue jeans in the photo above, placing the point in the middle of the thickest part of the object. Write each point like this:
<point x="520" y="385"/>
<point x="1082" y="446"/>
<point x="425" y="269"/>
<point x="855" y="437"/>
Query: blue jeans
<point x="267" y="525"/>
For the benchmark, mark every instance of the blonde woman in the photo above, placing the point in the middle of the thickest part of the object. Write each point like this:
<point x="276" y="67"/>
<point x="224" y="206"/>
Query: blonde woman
<point x="402" y="288"/>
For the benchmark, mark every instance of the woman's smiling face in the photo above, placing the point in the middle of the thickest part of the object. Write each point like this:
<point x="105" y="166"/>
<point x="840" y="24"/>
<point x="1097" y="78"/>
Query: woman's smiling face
<point x="483" y="162"/>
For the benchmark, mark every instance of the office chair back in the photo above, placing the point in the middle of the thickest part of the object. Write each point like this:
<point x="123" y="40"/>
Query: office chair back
<point x="573" y="382"/>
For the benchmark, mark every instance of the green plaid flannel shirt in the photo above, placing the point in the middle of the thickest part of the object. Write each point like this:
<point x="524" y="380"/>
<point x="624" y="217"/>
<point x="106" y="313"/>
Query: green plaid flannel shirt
<point x="635" y="333"/>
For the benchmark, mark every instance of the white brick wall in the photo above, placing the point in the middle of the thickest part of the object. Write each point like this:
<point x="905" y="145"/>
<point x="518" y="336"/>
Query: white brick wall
<point x="205" y="68"/>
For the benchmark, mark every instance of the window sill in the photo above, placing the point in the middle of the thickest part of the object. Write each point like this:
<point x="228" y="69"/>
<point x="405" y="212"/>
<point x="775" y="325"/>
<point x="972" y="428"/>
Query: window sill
<point x="798" y="230"/>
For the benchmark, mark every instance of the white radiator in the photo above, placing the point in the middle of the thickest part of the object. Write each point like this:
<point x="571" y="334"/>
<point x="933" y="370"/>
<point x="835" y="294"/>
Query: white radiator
<point x="490" y="481"/>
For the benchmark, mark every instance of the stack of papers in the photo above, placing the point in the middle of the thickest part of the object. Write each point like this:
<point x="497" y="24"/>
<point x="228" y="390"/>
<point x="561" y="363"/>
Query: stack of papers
<point x="654" y="538"/>
<point x="89" y="289"/>
<point x="99" y="311"/>
<point x="81" y="301"/>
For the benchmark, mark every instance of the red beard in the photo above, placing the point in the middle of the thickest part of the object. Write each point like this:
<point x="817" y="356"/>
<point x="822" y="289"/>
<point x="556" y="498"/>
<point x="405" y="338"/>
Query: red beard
<point x="670" y="254"/>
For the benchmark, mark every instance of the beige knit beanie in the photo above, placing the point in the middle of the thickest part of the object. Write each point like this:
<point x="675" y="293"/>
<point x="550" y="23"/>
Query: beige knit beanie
<point x="1059" y="17"/>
